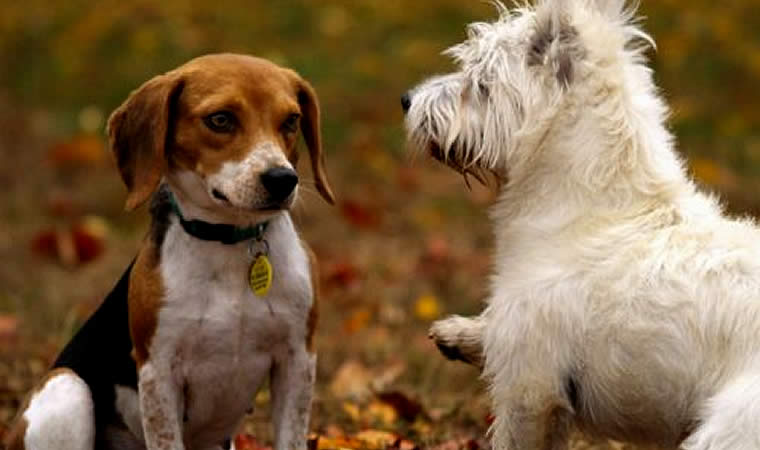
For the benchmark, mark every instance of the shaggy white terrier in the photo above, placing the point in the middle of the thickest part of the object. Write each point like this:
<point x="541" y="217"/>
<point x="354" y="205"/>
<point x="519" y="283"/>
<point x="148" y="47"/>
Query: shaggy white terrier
<point x="623" y="301"/>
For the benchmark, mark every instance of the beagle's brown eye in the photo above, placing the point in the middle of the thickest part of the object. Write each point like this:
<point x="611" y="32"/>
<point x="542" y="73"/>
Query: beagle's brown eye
<point x="220" y="121"/>
<point x="290" y="125"/>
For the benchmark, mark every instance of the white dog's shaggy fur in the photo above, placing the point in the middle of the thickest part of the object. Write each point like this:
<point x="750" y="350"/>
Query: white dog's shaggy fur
<point x="622" y="301"/>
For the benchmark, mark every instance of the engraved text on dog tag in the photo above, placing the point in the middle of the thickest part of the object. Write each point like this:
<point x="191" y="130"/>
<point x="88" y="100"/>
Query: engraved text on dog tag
<point x="260" y="277"/>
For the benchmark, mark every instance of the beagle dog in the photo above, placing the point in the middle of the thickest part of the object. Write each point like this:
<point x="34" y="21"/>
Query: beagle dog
<point x="222" y="292"/>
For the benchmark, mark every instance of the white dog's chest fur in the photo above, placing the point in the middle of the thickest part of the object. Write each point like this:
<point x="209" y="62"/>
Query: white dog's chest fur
<point x="220" y="337"/>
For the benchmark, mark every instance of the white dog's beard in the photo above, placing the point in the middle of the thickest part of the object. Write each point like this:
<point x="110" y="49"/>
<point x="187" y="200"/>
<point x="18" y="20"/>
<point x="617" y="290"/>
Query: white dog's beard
<point x="461" y="128"/>
<point x="428" y="137"/>
<point x="453" y="159"/>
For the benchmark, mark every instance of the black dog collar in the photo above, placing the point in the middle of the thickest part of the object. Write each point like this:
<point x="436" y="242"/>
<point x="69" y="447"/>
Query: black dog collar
<point x="220" y="232"/>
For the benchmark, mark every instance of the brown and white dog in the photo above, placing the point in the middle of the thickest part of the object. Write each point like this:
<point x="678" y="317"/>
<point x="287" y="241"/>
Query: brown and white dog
<point x="176" y="352"/>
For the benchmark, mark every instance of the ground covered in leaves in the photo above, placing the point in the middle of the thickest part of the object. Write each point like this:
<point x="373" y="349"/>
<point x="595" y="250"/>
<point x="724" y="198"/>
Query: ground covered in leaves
<point x="407" y="241"/>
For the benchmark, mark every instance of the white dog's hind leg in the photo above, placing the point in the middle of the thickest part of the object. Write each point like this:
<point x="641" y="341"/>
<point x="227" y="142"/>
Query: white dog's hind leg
<point x="731" y="419"/>
<point x="60" y="416"/>
<point x="530" y="364"/>
<point x="460" y="338"/>
<point x="530" y="418"/>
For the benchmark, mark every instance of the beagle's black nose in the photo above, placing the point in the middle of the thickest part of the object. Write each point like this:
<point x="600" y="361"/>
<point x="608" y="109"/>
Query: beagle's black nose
<point x="279" y="182"/>
<point x="406" y="101"/>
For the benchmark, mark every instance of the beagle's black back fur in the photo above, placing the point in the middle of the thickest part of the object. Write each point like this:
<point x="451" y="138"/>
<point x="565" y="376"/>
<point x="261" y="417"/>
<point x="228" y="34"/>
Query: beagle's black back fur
<point x="100" y="353"/>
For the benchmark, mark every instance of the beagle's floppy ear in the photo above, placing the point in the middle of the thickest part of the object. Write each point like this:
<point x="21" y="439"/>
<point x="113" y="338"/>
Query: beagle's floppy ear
<point x="307" y="99"/>
<point x="138" y="131"/>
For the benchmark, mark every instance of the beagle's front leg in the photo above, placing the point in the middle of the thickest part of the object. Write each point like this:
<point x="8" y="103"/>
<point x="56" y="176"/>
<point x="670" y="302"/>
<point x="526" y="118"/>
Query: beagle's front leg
<point x="161" y="405"/>
<point x="292" y="382"/>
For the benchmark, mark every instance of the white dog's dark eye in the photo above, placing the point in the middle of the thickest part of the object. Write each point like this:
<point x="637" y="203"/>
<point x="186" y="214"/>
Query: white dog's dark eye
<point x="220" y="122"/>
<point x="290" y="125"/>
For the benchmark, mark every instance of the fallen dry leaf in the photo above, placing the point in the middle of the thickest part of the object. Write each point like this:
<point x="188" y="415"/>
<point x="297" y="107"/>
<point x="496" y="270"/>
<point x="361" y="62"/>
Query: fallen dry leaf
<point x="358" y="320"/>
<point x="351" y="381"/>
<point x="343" y="274"/>
<point x="377" y="439"/>
<point x="380" y="414"/>
<point x="333" y="430"/>
<point x="422" y="427"/>
<point x="437" y="249"/>
<point x="8" y="330"/>
<point x="352" y="410"/>
<point x="88" y="239"/>
<point x="404" y="444"/>
<point x="359" y="215"/>
<point x="248" y="442"/>
<point x="81" y="243"/>
<point x="457" y="444"/>
<point x="80" y="151"/>
<point x="405" y="407"/>
<point x="51" y="243"/>
<point x="317" y="442"/>
<point x="427" y="307"/>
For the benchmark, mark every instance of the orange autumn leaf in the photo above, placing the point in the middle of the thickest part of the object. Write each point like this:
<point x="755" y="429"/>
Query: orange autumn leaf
<point x="334" y="443"/>
<point x="377" y="439"/>
<point x="405" y="407"/>
<point x="357" y="321"/>
<point x="427" y="307"/>
<point x="248" y="442"/>
<point x="380" y="413"/>
<point x="8" y="330"/>
<point x="80" y="151"/>
<point x="342" y="274"/>
<point x="82" y="242"/>
<point x="360" y="214"/>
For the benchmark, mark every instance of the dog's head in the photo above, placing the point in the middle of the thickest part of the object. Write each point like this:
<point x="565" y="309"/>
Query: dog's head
<point x="222" y="130"/>
<point x="514" y="75"/>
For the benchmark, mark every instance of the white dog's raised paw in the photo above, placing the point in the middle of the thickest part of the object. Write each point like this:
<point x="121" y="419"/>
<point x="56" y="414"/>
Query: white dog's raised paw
<point x="459" y="339"/>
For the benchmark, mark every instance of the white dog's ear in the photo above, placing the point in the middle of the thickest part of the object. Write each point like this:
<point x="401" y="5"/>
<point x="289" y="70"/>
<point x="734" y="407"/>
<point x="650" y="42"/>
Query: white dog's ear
<point x="555" y="43"/>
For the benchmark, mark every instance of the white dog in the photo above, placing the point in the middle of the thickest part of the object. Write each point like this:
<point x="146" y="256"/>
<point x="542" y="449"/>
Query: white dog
<point x="622" y="301"/>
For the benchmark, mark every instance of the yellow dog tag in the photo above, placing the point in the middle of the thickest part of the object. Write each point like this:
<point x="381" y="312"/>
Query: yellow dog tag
<point x="260" y="278"/>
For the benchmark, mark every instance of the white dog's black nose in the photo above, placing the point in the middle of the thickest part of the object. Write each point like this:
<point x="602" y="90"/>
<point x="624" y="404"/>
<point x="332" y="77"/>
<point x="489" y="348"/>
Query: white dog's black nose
<point x="279" y="182"/>
<point x="406" y="101"/>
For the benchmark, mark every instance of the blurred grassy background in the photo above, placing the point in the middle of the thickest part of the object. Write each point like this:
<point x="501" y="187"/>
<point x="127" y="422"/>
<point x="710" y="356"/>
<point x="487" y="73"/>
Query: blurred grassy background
<point x="407" y="241"/>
